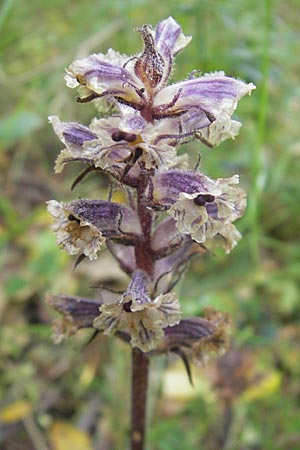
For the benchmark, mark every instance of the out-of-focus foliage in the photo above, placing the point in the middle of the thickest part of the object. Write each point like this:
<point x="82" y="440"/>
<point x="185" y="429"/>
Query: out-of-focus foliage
<point x="43" y="386"/>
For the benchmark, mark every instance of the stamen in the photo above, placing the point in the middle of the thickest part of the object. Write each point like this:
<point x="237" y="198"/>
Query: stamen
<point x="119" y="135"/>
<point x="203" y="198"/>
<point x="73" y="218"/>
<point x="127" y="307"/>
<point x="138" y="153"/>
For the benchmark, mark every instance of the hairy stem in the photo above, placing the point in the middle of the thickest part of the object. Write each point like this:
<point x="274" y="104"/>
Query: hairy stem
<point x="143" y="251"/>
<point x="139" y="380"/>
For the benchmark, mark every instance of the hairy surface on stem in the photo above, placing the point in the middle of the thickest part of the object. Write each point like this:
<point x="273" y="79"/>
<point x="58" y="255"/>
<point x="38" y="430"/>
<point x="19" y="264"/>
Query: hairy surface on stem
<point x="143" y="251"/>
<point x="139" y="380"/>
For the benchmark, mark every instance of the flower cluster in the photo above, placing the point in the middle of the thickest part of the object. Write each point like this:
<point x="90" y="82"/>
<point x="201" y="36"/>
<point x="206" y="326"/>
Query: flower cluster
<point x="172" y="213"/>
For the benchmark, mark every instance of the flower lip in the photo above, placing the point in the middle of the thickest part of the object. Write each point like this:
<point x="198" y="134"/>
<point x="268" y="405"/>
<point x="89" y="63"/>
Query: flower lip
<point x="75" y="235"/>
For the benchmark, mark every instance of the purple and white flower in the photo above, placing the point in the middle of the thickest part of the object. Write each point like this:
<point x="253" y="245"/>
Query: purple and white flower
<point x="82" y="226"/>
<point x="203" y="208"/>
<point x="172" y="213"/>
<point x="122" y="141"/>
<point x="137" y="314"/>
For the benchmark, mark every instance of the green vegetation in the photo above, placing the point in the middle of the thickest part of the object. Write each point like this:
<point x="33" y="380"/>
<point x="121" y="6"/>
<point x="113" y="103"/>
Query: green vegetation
<point x="258" y="283"/>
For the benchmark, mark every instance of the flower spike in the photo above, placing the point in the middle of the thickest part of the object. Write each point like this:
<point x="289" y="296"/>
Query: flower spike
<point x="172" y="213"/>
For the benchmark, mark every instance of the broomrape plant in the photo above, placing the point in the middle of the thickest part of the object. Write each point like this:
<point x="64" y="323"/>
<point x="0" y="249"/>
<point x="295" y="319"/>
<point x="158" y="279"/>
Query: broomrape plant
<point x="172" y="213"/>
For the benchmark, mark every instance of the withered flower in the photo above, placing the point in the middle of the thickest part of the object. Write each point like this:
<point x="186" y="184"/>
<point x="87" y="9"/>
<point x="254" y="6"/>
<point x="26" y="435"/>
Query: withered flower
<point x="137" y="314"/>
<point x="81" y="226"/>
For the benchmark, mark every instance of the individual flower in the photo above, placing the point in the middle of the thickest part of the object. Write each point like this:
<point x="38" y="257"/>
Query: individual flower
<point x="208" y="99"/>
<point x="216" y="343"/>
<point x="199" y="337"/>
<point x="203" y="208"/>
<point x="81" y="226"/>
<point x="141" y="83"/>
<point x="73" y="135"/>
<point x="77" y="313"/>
<point x="117" y="143"/>
<point x="132" y="81"/>
<point x="135" y="313"/>
<point x="196" y="339"/>
<point x="127" y="139"/>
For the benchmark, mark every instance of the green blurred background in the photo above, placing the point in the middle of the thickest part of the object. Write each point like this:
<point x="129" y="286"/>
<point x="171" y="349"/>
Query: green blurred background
<point x="251" y="400"/>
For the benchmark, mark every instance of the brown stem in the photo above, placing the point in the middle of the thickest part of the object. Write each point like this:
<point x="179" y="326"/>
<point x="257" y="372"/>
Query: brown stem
<point x="143" y="250"/>
<point x="139" y="380"/>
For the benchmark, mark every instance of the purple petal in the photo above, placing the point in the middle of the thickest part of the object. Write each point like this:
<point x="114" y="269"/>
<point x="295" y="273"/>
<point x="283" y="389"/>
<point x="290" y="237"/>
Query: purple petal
<point x="188" y="331"/>
<point x="101" y="76"/>
<point x="168" y="185"/>
<point x="95" y="66"/>
<point x="168" y="37"/>
<point x="71" y="133"/>
<point x="77" y="134"/>
<point x="81" y="311"/>
<point x="112" y="219"/>
<point x="137" y="289"/>
<point x="132" y="123"/>
<point x="194" y="120"/>
<point x="214" y="94"/>
<point x="166" y="34"/>
<point x="164" y="234"/>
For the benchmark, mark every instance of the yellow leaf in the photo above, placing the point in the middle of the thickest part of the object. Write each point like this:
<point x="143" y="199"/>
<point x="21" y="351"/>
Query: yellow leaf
<point x="64" y="436"/>
<point x="15" y="411"/>
<point x="266" y="387"/>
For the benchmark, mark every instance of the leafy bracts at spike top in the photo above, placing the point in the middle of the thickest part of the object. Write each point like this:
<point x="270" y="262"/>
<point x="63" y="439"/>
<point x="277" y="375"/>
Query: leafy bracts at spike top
<point x="172" y="213"/>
